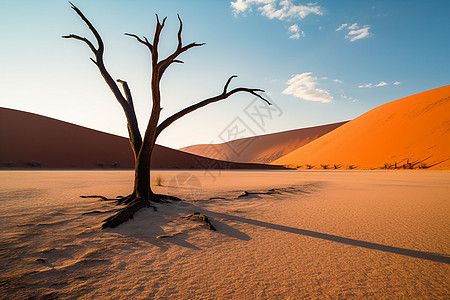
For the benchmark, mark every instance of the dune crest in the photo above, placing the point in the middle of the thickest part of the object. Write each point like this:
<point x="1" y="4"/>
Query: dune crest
<point x="263" y="148"/>
<point x="409" y="130"/>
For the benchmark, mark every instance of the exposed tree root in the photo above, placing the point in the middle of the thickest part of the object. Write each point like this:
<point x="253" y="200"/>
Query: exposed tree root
<point x="269" y="192"/>
<point x="125" y="213"/>
<point x="98" y="196"/>
<point x="199" y="217"/>
<point x="94" y="212"/>
<point x="132" y="205"/>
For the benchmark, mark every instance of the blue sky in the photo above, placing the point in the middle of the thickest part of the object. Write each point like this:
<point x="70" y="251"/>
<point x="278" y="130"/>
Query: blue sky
<point x="319" y="63"/>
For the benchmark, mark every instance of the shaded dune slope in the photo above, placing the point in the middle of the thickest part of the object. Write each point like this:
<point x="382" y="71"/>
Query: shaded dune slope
<point x="33" y="141"/>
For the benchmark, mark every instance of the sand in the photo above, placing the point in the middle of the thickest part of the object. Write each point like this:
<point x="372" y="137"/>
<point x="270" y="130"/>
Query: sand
<point x="415" y="128"/>
<point x="262" y="148"/>
<point x="323" y="235"/>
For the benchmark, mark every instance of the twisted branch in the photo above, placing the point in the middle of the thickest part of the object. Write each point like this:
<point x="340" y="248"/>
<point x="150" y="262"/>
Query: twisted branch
<point x="144" y="42"/>
<point x="224" y="95"/>
<point x="125" y="101"/>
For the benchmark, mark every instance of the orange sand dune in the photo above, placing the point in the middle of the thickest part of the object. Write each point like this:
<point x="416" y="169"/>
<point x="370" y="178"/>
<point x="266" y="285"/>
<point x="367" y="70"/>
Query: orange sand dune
<point x="33" y="141"/>
<point x="264" y="148"/>
<point x="413" y="128"/>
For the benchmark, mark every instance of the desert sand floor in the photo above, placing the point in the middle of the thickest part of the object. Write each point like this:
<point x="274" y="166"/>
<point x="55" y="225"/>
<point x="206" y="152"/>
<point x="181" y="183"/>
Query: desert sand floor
<point x="321" y="235"/>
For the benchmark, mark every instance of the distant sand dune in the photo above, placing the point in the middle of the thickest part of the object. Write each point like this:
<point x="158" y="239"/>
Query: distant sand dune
<point x="263" y="148"/>
<point x="33" y="141"/>
<point x="411" y="129"/>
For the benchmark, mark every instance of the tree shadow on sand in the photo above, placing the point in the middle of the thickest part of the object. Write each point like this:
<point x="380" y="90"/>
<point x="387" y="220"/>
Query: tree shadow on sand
<point x="170" y="226"/>
<point x="153" y="236"/>
<point x="436" y="257"/>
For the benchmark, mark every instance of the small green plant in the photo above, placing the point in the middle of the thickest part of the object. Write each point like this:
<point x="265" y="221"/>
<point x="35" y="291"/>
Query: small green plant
<point x="325" y="167"/>
<point x="337" y="166"/>
<point x="159" y="180"/>
<point x="352" y="167"/>
<point x="309" y="167"/>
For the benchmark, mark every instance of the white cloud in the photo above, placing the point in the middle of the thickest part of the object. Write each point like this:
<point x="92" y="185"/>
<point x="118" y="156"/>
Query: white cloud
<point x="371" y="85"/>
<point x="295" y="32"/>
<point x="382" y="83"/>
<point x="294" y="28"/>
<point x="355" y="32"/>
<point x="353" y="26"/>
<point x="342" y="27"/>
<point x="338" y="81"/>
<point x="284" y="10"/>
<point x="241" y="6"/>
<point x="304" y="86"/>
<point x="358" y="34"/>
<point x="397" y="83"/>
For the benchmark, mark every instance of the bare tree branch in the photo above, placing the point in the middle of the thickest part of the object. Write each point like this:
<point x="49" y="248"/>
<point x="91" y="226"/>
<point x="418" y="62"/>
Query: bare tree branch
<point x="127" y="92"/>
<point x="200" y="104"/>
<point x="164" y="64"/>
<point x="144" y="42"/>
<point x="179" y="32"/>
<point x="125" y="102"/>
<point x="77" y="37"/>
<point x="92" y="28"/>
<point x="228" y="83"/>
<point x="251" y="91"/>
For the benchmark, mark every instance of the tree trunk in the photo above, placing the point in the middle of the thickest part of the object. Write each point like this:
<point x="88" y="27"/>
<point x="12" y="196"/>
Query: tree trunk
<point x="142" y="188"/>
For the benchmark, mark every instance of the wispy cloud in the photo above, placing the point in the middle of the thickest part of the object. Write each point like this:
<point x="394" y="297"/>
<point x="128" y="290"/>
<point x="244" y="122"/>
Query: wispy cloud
<point x="353" y="26"/>
<point x="369" y="85"/>
<point x="341" y="27"/>
<point x="338" y="81"/>
<point x="303" y="86"/>
<point x="241" y="6"/>
<point x="345" y="97"/>
<point x="284" y="10"/>
<point x="355" y="32"/>
<point x="295" y="32"/>
<point x="358" y="34"/>
<point x="381" y="83"/>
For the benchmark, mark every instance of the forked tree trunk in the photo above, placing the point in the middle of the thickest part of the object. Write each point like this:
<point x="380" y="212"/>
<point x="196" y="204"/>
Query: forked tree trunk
<point x="143" y="146"/>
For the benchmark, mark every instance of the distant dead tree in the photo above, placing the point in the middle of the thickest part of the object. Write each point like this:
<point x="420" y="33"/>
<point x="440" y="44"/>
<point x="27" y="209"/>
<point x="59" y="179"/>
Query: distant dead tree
<point x="142" y="147"/>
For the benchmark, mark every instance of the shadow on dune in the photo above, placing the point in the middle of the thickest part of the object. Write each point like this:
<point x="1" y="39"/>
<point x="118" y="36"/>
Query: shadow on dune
<point x="334" y="238"/>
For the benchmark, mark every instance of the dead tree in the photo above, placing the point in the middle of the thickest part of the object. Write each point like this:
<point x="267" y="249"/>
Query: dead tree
<point x="142" y="146"/>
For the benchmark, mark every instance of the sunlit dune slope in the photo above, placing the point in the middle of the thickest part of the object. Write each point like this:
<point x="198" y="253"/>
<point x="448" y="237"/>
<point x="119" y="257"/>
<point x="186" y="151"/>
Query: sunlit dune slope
<point x="32" y="141"/>
<point x="264" y="148"/>
<point x="411" y="129"/>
